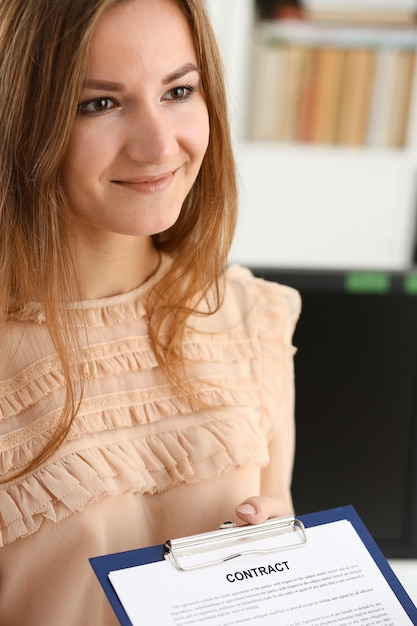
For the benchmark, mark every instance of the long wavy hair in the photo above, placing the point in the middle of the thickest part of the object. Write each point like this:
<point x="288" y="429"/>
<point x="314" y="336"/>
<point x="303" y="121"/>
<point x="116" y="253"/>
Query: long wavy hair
<point x="44" y="47"/>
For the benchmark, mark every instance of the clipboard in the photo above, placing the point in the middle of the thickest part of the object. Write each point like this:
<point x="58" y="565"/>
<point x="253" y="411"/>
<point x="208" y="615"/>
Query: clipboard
<point x="231" y="540"/>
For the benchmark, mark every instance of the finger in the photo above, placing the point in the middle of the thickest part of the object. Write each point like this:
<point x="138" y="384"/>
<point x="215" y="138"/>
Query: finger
<point x="260" y="508"/>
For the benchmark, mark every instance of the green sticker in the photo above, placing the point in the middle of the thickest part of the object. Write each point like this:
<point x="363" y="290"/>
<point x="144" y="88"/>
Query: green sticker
<point x="367" y="282"/>
<point x="410" y="284"/>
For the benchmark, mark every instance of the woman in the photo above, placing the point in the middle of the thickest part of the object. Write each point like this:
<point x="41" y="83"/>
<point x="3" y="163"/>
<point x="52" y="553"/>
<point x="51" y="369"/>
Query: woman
<point x="146" y="392"/>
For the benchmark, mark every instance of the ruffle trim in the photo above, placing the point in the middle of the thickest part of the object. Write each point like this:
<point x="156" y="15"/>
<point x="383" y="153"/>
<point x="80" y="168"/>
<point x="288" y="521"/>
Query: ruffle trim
<point x="117" y="358"/>
<point x="91" y="316"/>
<point x="275" y="311"/>
<point x="143" y="466"/>
<point x="104" y="311"/>
<point x="125" y="410"/>
<point x="130" y="306"/>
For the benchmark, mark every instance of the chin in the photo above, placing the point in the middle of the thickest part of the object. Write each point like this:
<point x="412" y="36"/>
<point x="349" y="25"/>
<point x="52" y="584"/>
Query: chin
<point x="154" y="227"/>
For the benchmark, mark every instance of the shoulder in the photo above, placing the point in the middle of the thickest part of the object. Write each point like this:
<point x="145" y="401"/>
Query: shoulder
<point x="250" y="291"/>
<point x="252" y="304"/>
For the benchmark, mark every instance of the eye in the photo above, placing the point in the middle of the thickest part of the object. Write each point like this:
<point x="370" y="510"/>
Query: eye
<point x="97" y="105"/>
<point x="179" y="94"/>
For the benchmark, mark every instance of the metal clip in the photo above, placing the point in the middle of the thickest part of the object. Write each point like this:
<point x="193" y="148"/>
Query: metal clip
<point x="188" y="553"/>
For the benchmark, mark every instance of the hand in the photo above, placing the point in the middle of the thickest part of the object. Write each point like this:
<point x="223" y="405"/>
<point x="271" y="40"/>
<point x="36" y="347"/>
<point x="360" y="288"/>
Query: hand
<point x="260" y="508"/>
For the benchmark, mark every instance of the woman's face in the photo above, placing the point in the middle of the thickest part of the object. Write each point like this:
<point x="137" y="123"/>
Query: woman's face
<point x="142" y="126"/>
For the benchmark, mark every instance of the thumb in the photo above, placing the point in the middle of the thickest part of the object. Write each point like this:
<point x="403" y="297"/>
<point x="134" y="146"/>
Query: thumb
<point x="260" y="508"/>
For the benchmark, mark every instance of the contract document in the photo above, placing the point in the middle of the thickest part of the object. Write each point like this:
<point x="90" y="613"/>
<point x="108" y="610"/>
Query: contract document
<point x="323" y="569"/>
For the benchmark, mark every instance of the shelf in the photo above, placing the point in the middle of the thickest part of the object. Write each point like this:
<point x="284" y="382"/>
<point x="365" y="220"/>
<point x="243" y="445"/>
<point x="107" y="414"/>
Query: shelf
<point x="307" y="205"/>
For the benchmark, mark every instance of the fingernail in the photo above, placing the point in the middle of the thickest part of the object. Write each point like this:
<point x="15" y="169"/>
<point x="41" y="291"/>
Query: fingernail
<point x="246" y="509"/>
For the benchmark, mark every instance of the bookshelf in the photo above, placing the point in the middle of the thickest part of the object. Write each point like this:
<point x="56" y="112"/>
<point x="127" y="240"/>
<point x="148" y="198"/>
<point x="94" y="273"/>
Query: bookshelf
<point x="314" y="205"/>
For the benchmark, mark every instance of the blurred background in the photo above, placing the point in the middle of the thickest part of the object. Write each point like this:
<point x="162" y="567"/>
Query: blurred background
<point x="323" y="100"/>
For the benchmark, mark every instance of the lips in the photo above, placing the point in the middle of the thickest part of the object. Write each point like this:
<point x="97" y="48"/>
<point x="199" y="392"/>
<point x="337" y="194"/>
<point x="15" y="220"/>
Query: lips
<point x="149" y="184"/>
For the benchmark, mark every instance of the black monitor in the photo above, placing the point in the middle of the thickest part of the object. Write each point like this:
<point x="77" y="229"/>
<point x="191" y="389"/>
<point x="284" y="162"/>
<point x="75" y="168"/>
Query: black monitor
<point x="356" y="399"/>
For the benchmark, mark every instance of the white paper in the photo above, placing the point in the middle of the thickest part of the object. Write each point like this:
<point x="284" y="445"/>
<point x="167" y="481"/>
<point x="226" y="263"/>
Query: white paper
<point x="331" y="581"/>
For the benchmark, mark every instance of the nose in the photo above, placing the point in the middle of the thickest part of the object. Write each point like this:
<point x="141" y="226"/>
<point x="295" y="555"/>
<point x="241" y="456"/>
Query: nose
<point x="151" y="135"/>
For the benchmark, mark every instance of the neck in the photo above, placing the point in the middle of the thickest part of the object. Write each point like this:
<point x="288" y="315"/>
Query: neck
<point x="114" y="264"/>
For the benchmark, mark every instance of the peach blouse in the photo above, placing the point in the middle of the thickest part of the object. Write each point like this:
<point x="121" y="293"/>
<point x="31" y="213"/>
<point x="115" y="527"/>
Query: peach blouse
<point x="138" y="466"/>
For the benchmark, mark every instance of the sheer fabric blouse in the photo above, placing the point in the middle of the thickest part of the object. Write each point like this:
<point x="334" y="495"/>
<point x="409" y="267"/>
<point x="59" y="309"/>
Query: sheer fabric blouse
<point x="139" y="465"/>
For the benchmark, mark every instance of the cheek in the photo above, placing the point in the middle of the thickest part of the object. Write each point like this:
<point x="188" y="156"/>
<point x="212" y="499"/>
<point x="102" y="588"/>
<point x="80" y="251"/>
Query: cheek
<point x="199" y="134"/>
<point x="87" y="153"/>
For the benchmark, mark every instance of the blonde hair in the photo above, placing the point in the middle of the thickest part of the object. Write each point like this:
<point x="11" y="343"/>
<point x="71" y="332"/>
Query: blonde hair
<point x="43" y="51"/>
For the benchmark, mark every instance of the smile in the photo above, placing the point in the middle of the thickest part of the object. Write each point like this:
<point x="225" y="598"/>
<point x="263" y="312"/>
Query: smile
<point x="151" y="184"/>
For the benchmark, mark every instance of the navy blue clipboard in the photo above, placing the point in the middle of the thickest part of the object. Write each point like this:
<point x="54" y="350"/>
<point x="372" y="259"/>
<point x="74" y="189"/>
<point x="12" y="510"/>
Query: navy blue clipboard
<point x="102" y="565"/>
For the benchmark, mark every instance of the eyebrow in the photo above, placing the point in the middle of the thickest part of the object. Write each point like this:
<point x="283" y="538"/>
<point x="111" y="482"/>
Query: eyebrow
<point x="105" y="85"/>
<point x="102" y="85"/>
<point x="180" y="72"/>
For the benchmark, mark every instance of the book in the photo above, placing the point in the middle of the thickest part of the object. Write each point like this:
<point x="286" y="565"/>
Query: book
<point x="404" y="71"/>
<point x="389" y="108"/>
<point x="382" y="98"/>
<point x="307" y="97"/>
<point x="295" y="58"/>
<point x="266" y="86"/>
<point x="356" y="97"/>
<point x="329" y="80"/>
